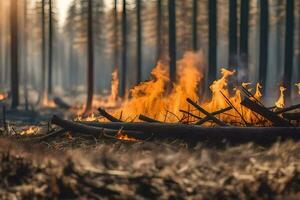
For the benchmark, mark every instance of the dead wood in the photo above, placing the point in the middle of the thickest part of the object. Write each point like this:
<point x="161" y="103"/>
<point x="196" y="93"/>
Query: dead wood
<point x="108" y="116"/>
<point x="291" y="108"/>
<point x="205" y="119"/>
<point x="292" y="116"/>
<point x="266" y="113"/>
<point x="148" y="119"/>
<point x="198" y="133"/>
<point x="61" y="103"/>
<point x="190" y="114"/>
<point x="209" y="115"/>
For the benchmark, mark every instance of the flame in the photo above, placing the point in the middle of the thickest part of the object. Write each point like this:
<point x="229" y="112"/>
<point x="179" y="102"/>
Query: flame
<point x="258" y="93"/>
<point x="298" y="85"/>
<point x="123" y="136"/>
<point x="280" y="102"/>
<point x="114" y="87"/>
<point x="46" y="102"/>
<point x="3" y="96"/>
<point x="32" y="130"/>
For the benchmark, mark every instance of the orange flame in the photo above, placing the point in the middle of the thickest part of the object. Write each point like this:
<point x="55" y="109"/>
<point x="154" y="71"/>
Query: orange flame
<point x="122" y="136"/>
<point x="3" y="96"/>
<point x="280" y="102"/>
<point x="32" y="130"/>
<point x="114" y="87"/>
<point x="298" y="85"/>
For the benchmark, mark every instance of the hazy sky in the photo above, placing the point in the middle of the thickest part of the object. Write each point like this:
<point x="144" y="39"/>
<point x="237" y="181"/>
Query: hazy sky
<point x="63" y="6"/>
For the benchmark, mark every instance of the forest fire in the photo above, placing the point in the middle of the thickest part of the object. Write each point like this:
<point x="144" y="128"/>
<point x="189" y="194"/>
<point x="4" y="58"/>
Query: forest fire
<point x="32" y="130"/>
<point x="280" y="102"/>
<point x="298" y="85"/>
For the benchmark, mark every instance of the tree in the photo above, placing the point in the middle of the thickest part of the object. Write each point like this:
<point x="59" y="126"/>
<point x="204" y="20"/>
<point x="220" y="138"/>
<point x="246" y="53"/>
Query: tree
<point x="244" y="30"/>
<point x="43" y="84"/>
<point x="124" y="49"/>
<point x="195" y="25"/>
<point x="116" y="35"/>
<point x="158" y="30"/>
<point x="233" y="34"/>
<point x="139" y="41"/>
<point x="14" y="54"/>
<point x="212" y="52"/>
<point x="172" y="39"/>
<point x="50" y="49"/>
<point x="263" y="44"/>
<point x="90" y="49"/>
<point x="289" y="47"/>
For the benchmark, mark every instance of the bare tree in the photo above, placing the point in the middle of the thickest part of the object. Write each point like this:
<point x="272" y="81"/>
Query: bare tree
<point x="212" y="54"/>
<point x="233" y="45"/>
<point x="195" y="25"/>
<point x="14" y="54"/>
<point x="244" y="30"/>
<point x="124" y="49"/>
<point x="139" y="41"/>
<point x="50" y="49"/>
<point x="172" y="39"/>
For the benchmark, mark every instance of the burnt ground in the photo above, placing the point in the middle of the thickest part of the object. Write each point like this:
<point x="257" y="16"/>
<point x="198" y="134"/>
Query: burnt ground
<point x="81" y="168"/>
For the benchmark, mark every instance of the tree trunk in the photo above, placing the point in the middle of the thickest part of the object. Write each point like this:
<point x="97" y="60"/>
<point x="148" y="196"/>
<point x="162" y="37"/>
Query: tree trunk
<point x="158" y="30"/>
<point x="244" y="30"/>
<point x="195" y="25"/>
<point x="289" y="47"/>
<point x="43" y="84"/>
<point x="14" y="54"/>
<point x="212" y="54"/>
<point x="116" y="35"/>
<point x="25" y="56"/>
<point x="50" y="49"/>
<point x="172" y="40"/>
<point x="139" y="41"/>
<point x="124" y="49"/>
<point x="263" y="46"/>
<point x="90" y="46"/>
<point x="233" y="34"/>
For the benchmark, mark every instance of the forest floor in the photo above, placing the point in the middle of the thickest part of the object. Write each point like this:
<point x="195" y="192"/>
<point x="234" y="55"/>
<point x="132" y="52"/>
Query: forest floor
<point x="80" y="167"/>
<point x="84" y="168"/>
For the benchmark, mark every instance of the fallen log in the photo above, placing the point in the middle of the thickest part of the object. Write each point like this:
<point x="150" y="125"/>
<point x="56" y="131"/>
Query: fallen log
<point x="209" y="115"/>
<point x="205" y="119"/>
<point x="266" y="113"/>
<point x="61" y="103"/>
<point x="148" y="119"/>
<point x="283" y="110"/>
<point x="199" y="133"/>
<point x="292" y="116"/>
<point x="77" y="127"/>
<point x="108" y="116"/>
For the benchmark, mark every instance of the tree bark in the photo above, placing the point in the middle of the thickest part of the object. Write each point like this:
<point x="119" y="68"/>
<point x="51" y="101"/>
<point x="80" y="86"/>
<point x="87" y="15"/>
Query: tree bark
<point x="139" y="42"/>
<point x="14" y="54"/>
<point x="233" y="34"/>
<point x="50" y="49"/>
<point x="289" y="47"/>
<point x="172" y="39"/>
<point x="263" y="44"/>
<point x="43" y="76"/>
<point x="244" y="32"/>
<point x="158" y="30"/>
<point x="212" y="51"/>
<point x="116" y="35"/>
<point x="124" y="50"/>
<point x="195" y="25"/>
<point x="90" y="78"/>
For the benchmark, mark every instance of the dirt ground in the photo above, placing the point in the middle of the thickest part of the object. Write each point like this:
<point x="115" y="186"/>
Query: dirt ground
<point x="81" y="168"/>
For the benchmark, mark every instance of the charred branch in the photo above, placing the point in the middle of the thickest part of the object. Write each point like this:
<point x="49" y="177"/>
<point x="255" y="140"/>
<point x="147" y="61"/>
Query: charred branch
<point x="267" y="114"/>
<point x="148" y="119"/>
<point x="108" y="116"/>
<point x="205" y="119"/>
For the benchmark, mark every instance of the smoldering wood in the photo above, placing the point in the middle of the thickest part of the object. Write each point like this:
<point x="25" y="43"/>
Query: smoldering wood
<point x="292" y="116"/>
<point x="267" y="114"/>
<point x="205" y="119"/>
<point x="209" y="115"/>
<point x="148" y="119"/>
<point x="61" y="103"/>
<point x="108" y="116"/>
<point x="200" y="133"/>
<point x="290" y="108"/>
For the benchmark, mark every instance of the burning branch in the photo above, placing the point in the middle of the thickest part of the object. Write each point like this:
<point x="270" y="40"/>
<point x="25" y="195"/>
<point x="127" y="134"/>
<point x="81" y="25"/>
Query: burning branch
<point x="108" y="116"/>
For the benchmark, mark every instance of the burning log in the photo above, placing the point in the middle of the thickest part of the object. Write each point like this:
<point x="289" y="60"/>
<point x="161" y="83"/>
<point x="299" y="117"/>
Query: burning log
<point x="86" y="129"/>
<point x="267" y="114"/>
<point x="61" y="103"/>
<point x="292" y="116"/>
<point x="108" y="116"/>
<point x="202" y="121"/>
<point x="283" y="110"/>
<point x="197" y="133"/>
<point x="148" y="119"/>
<point x="209" y="115"/>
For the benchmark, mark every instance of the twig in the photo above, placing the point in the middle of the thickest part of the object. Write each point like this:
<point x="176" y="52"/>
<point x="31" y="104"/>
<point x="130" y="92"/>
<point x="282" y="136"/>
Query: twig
<point x="191" y="114"/>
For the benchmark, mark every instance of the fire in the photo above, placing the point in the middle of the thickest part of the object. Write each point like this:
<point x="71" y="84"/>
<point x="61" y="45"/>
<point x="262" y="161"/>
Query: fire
<point x="46" y="102"/>
<point x="280" y="102"/>
<point x="114" y="87"/>
<point x="298" y="85"/>
<point x="258" y="94"/>
<point x="32" y="130"/>
<point x="123" y="136"/>
<point x="3" y="96"/>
